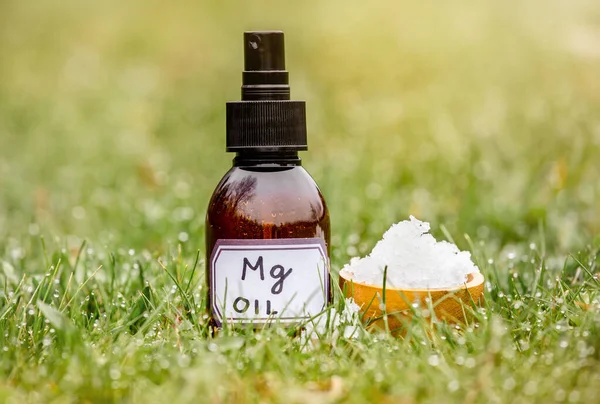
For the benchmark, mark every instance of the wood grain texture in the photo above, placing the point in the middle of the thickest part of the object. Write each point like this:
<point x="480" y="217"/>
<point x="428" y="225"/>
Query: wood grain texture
<point x="452" y="305"/>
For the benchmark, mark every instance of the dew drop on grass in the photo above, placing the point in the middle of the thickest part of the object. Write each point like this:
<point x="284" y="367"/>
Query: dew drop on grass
<point x="378" y="377"/>
<point x="353" y="238"/>
<point x="509" y="384"/>
<point x="530" y="388"/>
<point x="115" y="373"/>
<point x="34" y="229"/>
<point x="453" y="385"/>
<point x="560" y="395"/>
<point x="78" y="212"/>
<point x="563" y="344"/>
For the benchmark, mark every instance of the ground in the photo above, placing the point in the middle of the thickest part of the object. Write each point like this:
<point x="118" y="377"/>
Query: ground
<point x="481" y="118"/>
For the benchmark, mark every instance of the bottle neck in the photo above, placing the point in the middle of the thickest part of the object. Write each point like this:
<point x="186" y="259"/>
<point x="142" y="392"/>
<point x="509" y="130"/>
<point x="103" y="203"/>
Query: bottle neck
<point x="271" y="158"/>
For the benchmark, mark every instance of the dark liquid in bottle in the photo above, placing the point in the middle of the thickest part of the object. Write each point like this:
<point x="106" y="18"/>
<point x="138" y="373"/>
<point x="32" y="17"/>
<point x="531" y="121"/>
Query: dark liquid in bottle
<point x="274" y="199"/>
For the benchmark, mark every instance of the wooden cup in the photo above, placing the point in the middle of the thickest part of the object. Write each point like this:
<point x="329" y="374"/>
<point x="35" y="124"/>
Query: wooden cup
<point x="450" y="304"/>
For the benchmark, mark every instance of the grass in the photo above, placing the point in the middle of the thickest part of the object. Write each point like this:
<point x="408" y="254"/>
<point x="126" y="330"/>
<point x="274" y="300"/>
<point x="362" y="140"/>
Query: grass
<point x="480" y="118"/>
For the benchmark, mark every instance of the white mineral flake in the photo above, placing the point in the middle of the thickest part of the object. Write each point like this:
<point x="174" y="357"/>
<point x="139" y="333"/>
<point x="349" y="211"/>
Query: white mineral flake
<point x="414" y="259"/>
<point x="334" y="323"/>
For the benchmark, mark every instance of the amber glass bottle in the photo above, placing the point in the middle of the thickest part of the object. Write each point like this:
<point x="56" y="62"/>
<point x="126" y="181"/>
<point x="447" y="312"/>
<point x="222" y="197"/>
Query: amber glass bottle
<point x="267" y="225"/>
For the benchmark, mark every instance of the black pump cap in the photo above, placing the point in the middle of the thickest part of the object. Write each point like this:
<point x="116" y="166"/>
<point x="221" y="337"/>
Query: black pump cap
<point x="265" y="119"/>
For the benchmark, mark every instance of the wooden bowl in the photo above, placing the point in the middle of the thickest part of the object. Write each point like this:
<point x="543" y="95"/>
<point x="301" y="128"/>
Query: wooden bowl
<point x="452" y="304"/>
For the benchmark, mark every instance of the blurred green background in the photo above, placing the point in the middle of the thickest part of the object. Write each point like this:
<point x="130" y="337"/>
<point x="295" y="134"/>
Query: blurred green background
<point x="481" y="116"/>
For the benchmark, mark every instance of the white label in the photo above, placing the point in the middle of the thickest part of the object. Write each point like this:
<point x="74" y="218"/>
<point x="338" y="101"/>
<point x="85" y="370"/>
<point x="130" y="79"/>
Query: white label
<point x="256" y="281"/>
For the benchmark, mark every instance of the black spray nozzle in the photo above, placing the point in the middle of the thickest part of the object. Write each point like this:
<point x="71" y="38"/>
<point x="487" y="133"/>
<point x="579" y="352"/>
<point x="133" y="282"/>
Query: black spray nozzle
<point x="264" y="50"/>
<point x="264" y="77"/>
<point x="265" y="119"/>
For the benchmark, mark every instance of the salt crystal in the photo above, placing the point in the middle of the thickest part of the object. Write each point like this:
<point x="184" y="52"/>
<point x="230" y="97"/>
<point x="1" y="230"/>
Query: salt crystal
<point x="414" y="259"/>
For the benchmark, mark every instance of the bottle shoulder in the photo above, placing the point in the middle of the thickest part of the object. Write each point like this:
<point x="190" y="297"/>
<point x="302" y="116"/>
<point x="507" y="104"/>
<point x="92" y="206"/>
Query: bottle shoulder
<point x="275" y="194"/>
